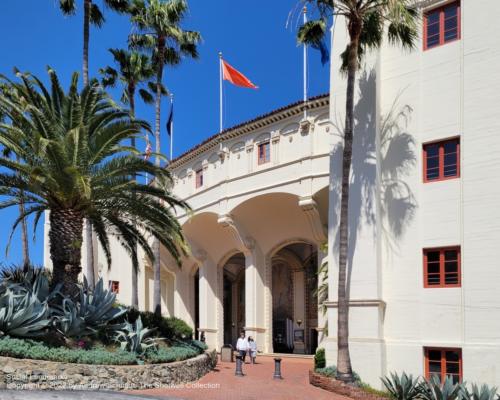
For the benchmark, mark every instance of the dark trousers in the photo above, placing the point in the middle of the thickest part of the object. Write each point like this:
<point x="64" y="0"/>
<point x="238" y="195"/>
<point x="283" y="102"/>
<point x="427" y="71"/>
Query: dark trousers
<point x="243" y="354"/>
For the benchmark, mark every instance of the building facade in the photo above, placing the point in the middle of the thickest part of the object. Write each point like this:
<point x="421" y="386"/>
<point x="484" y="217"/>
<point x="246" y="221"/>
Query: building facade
<point x="424" y="231"/>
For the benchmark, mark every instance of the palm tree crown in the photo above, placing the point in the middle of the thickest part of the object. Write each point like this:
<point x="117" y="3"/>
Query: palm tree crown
<point x="72" y="163"/>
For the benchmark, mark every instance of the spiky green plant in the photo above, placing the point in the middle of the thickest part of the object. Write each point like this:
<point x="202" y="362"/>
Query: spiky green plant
<point x="404" y="387"/>
<point x="22" y="314"/>
<point x="135" y="338"/>
<point x="434" y="389"/>
<point x="481" y="393"/>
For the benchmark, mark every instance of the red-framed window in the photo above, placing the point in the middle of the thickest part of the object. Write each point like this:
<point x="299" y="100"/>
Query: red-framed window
<point x="264" y="153"/>
<point x="114" y="286"/>
<point x="443" y="362"/>
<point x="441" y="160"/>
<point x="199" y="178"/>
<point x="442" y="25"/>
<point x="442" y="267"/>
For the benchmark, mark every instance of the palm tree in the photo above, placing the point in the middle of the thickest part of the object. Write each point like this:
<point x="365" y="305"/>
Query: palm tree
<point x="367" y="21"/>
<point x="91" y="15"/>
<point x="160" y="32"/>
<point x="134" y="70"/>
<point x="72" y="163"/>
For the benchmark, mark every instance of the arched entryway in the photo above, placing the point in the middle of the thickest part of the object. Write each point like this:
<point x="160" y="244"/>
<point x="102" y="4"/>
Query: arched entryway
<point x="233" y="298"/>
<point x="294" y="301"/>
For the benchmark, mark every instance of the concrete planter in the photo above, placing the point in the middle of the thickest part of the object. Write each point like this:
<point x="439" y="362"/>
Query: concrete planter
<point x="41" y="375"/>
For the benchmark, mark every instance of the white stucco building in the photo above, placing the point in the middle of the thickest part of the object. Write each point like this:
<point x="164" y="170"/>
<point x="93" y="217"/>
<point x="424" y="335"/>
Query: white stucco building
<point x="424" y="229"/>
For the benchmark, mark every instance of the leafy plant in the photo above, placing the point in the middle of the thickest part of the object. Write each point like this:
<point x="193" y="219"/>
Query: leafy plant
<point x="171" y="354"/>
<point x="404" y="387"/>
<point x="22" y="314"/>
<point x="481" y="393"/>
<point x="135" y="338"/>
<point x="18" y="348"/>
<point x="319" y="359"/>
<point x="432" y="389"/>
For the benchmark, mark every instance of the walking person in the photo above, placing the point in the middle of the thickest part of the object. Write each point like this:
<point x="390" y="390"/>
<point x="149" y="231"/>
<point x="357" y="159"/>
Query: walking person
<point x="242" y="346"/>
<point x="252" y="349"/>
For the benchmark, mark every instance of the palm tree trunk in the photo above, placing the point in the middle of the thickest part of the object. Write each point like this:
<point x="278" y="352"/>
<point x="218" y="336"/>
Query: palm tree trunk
<point x="65" y="237"/>
<point x="89" y="240"/>
<point x="135" y="261"/>
<point x="24" y="236"/>
<point x="344" y="368"/>
<point x="156" y="243"/>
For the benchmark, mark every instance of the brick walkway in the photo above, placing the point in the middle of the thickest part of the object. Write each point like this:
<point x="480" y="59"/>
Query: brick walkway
<point x="257" y="384"/>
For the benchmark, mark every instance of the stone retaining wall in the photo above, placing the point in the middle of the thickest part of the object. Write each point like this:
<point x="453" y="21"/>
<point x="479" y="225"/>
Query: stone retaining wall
<point x="35" y="374"/>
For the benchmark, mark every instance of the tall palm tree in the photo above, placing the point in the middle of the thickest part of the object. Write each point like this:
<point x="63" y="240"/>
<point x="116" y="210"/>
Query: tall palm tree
<point x="72" y="163"/>
<point x="367" y="22"/>
<point x="92" y="14"/>
<point x="160" y="32"/>
<point x="134" y="70"/>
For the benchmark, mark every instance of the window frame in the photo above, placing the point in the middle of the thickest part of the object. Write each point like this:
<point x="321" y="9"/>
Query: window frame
<point x="443" y="351"/>
<point x="442" y="274"/>
<point x="198" y="178"/>
<point x="263" y="160"/>
<point x="114" y="286"/>
<point x="441" y="9"/>
<point x="441" y="143"/>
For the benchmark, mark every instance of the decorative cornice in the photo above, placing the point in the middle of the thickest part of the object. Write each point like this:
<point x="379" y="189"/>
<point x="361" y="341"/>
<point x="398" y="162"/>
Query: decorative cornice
<point x="249" y="126"/>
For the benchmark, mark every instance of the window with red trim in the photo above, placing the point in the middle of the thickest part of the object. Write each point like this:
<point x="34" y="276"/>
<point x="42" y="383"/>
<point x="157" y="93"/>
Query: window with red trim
<point x="114" y="286"/>
<point x="442" y="267"/>
<point x="442" y="160"/>
<point x="442" y="25"/>
<point x="443" y="362"/>
<point x="199" y="178"/>
<point x="264" y="154"/>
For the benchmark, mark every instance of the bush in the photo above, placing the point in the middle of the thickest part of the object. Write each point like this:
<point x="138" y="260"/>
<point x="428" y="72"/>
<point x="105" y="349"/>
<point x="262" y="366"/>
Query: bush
<point x="331" y="372"/>
<point x="404" y="387"/>
<point x="171" y="329"/>
<point x="433" y="389"/>
<point x="171" y="354"/>
<point x="319" y="359"/>
<point x="18" y="348"/>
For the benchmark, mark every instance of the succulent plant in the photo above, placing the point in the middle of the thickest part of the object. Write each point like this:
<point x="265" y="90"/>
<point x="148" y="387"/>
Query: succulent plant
<point x="481" y="393"/>
<point x="95" y="309"/>
<point x="404" y="387"/>
<point x="135" y="338"/>
<point x="433" y="389"/>
<point x="22" y="314"/>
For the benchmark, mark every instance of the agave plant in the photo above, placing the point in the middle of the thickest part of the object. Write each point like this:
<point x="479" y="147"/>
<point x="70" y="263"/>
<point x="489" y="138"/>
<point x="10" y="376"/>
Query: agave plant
<point x="135" y="338"/>
<point x="481" y="393"/>
<point x="22" y="314"/>
<point x="94" y="309"/>
<point x="404" y="387"/>
<point x="432" y="389"/>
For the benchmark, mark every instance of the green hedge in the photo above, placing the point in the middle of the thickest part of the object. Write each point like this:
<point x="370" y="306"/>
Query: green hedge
<point x="171" y="328"/>
<point x="19" y="348"/>
<point x="171" y="354"/>
<point x="319" y="359"/>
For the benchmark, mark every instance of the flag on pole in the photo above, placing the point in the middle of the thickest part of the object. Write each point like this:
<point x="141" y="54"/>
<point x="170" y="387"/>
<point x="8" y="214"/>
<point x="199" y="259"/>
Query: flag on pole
<point x="170" y="120"/>
<point x="323" y="49"/>
<point x="236" y="77"/>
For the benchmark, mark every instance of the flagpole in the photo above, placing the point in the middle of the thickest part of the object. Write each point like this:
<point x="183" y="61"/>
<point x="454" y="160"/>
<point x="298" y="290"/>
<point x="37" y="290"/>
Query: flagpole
<point x="171" y="128"/>
<point x="220" y="93"/>
<point x="305" y="67"/>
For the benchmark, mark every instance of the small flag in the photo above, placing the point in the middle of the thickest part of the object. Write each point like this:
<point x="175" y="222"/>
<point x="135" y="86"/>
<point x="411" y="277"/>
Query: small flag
<point x="148" y="151"/>
<point x="170" y="120"/>
<point x="323" y="49"/>
<point x="236" y="77"/>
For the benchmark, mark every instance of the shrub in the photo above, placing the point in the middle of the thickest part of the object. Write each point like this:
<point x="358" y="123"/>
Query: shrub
<point x="319" y="359"/>
<point x="18" y="348"/>
<point x="135" y="338"/>
<point x="171" y="328"/>
<point x="403" y="387"/>
<point x="331" y="372"/>
<point x="171" y="354"/>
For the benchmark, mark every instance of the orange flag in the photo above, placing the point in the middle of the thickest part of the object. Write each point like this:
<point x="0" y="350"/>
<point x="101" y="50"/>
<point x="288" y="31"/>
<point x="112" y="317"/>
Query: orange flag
<point x="236" y="77"/>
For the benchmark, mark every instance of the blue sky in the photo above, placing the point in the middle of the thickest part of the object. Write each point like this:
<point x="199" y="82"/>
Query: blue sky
<point x="251" y="35"/>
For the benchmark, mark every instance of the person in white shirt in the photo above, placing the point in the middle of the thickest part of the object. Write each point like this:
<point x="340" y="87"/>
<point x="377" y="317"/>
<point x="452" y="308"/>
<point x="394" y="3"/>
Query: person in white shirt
<point x="252" y="349"/>
<point x="242" y="345"/>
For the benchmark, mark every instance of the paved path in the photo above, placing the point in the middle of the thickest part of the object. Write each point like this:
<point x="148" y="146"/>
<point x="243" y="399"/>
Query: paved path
<point x="257" y="384"/>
